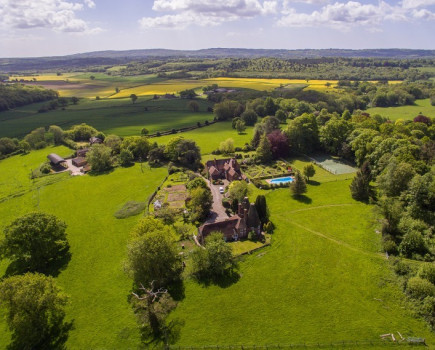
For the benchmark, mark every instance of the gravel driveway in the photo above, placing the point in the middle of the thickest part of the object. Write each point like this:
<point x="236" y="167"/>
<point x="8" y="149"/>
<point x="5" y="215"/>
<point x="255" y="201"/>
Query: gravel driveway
<point x="217" y="211"/>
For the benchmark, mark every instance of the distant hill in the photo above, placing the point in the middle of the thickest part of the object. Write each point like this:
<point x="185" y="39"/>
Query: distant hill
<point x="251" y="53"/>
<point x="119" y="57"/>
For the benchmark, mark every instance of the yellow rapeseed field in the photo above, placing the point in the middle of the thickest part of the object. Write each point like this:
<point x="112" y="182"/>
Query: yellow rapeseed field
<point x="175" y="86"/>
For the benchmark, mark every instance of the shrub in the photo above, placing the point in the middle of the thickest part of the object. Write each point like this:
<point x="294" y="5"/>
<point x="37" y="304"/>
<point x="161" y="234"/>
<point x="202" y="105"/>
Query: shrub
<point x="252" y="236"/>
<point x="269" y="227"/>
<point x="390" y="247"/>
<point x="40" y="145"/>
<point x="419" y="288"/>
<point x="45" y="168"/>
<point x="413" y="243"/>
<point x="401" y="267"/>
<point x="427" y="271"/>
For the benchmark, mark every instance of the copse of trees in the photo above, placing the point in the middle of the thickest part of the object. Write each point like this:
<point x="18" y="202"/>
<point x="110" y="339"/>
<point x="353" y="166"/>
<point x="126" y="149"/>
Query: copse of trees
<point x="17" y="95"/>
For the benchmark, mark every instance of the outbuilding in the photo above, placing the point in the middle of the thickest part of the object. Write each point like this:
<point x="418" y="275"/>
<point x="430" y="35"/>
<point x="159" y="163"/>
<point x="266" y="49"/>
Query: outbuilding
<point x="79" y="162"/>
<point x="55" y="159"/>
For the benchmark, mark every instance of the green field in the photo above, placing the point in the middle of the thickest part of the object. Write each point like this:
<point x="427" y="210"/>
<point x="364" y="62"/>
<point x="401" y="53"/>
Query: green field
<point x="94" y="277"/>
<point x="320" y="281"/>
<point x="119" y="116"/>
<point x="208" y="138"/>
<point x="324" y="266"/>
<point x="405" y="112"/>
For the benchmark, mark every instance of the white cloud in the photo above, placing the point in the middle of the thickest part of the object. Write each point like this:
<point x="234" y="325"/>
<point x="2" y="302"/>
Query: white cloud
<point x="206" y="12"/>
<point x="410" y="4"/>
<point x="344" y="15"/>
<point x="337" y="14"/>
<point x="58" y="15"/>
<point x="90" y="4"/>
<point x="423" y="14"/>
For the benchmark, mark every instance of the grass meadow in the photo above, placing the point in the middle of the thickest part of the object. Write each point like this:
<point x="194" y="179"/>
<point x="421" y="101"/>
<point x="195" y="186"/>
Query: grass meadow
<point x="209" y="137"/>
<point x="119" y="116"/>
<point x="322" y="280"/>
<point x="405" y="112"/>
<point x="94" y="277"/>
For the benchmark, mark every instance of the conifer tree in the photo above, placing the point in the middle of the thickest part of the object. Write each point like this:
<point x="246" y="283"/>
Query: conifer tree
<point x="298" y="186"/>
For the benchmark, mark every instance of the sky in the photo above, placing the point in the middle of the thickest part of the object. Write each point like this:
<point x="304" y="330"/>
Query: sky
<point x="33" y="28"/>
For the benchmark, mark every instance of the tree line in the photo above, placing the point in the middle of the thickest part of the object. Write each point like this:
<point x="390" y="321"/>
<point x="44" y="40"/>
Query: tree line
<point x="17" y="95"/>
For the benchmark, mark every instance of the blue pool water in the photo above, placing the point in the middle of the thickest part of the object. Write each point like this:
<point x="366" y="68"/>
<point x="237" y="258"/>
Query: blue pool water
<point x="280" y="180"/>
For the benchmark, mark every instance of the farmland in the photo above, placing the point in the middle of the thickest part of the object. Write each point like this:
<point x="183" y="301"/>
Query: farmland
<point x="120" y="116"/>
<point x="323" y="279"/>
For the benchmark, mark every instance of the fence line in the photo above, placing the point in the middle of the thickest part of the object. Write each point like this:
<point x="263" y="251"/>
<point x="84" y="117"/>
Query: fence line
<point x="151" y="197"/>
<point x="342" y="344"/>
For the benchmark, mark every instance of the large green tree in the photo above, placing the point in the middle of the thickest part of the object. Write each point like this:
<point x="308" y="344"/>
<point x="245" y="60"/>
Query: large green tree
<point x="262" y="210"/>
<point x="360" y="187"/>
<point x="302" y="133"/>
<point x="35" y="240"/>
<point x="99" y="158"/>
<point x="215" y="260"/>
<point x="249" y="117"/>
<point x="264" y="150"/>
<point x="152" y="254"/>
<point x="138" y="145"/>
<point x="200" y="203"/>
<point x="34" y="312"/>
<point x="238" y="190"/>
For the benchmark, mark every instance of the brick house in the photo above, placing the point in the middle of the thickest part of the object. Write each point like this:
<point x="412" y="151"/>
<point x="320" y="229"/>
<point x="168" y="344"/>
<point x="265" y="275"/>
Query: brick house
<point x="228" y="169"/>
<point x="237" y="226"/>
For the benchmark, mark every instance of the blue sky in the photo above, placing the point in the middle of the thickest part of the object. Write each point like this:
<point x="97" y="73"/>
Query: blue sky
<point x="58" y="27"/>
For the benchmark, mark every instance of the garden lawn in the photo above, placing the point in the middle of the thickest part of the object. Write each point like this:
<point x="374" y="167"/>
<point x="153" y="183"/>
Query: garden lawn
<point x="322" y="280"/>
<point x="119" y="116"/>
<point x="94" y="278"/>
<point x="209" y="137"/>
<point x="405" y="112"/>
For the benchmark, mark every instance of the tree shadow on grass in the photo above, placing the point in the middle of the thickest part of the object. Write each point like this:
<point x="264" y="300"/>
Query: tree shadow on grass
<point x="54" y="339"/>
<point x="313" y="183"/>
<point x="303" y="199"/>
<point x="54" y="268"/>
<point x="176" y="290"/>
<point x="169" y="335"/>
<point x="225" y="280"/>
<point x="99" y="173"/>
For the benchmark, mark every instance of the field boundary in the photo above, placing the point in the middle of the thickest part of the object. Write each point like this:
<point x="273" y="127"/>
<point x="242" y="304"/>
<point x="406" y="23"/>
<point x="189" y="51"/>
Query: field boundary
<point x="330" y="345"/>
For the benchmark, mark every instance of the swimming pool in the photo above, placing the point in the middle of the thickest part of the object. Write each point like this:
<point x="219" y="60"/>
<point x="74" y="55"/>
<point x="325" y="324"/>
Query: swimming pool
<point x="280" y="180"/>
